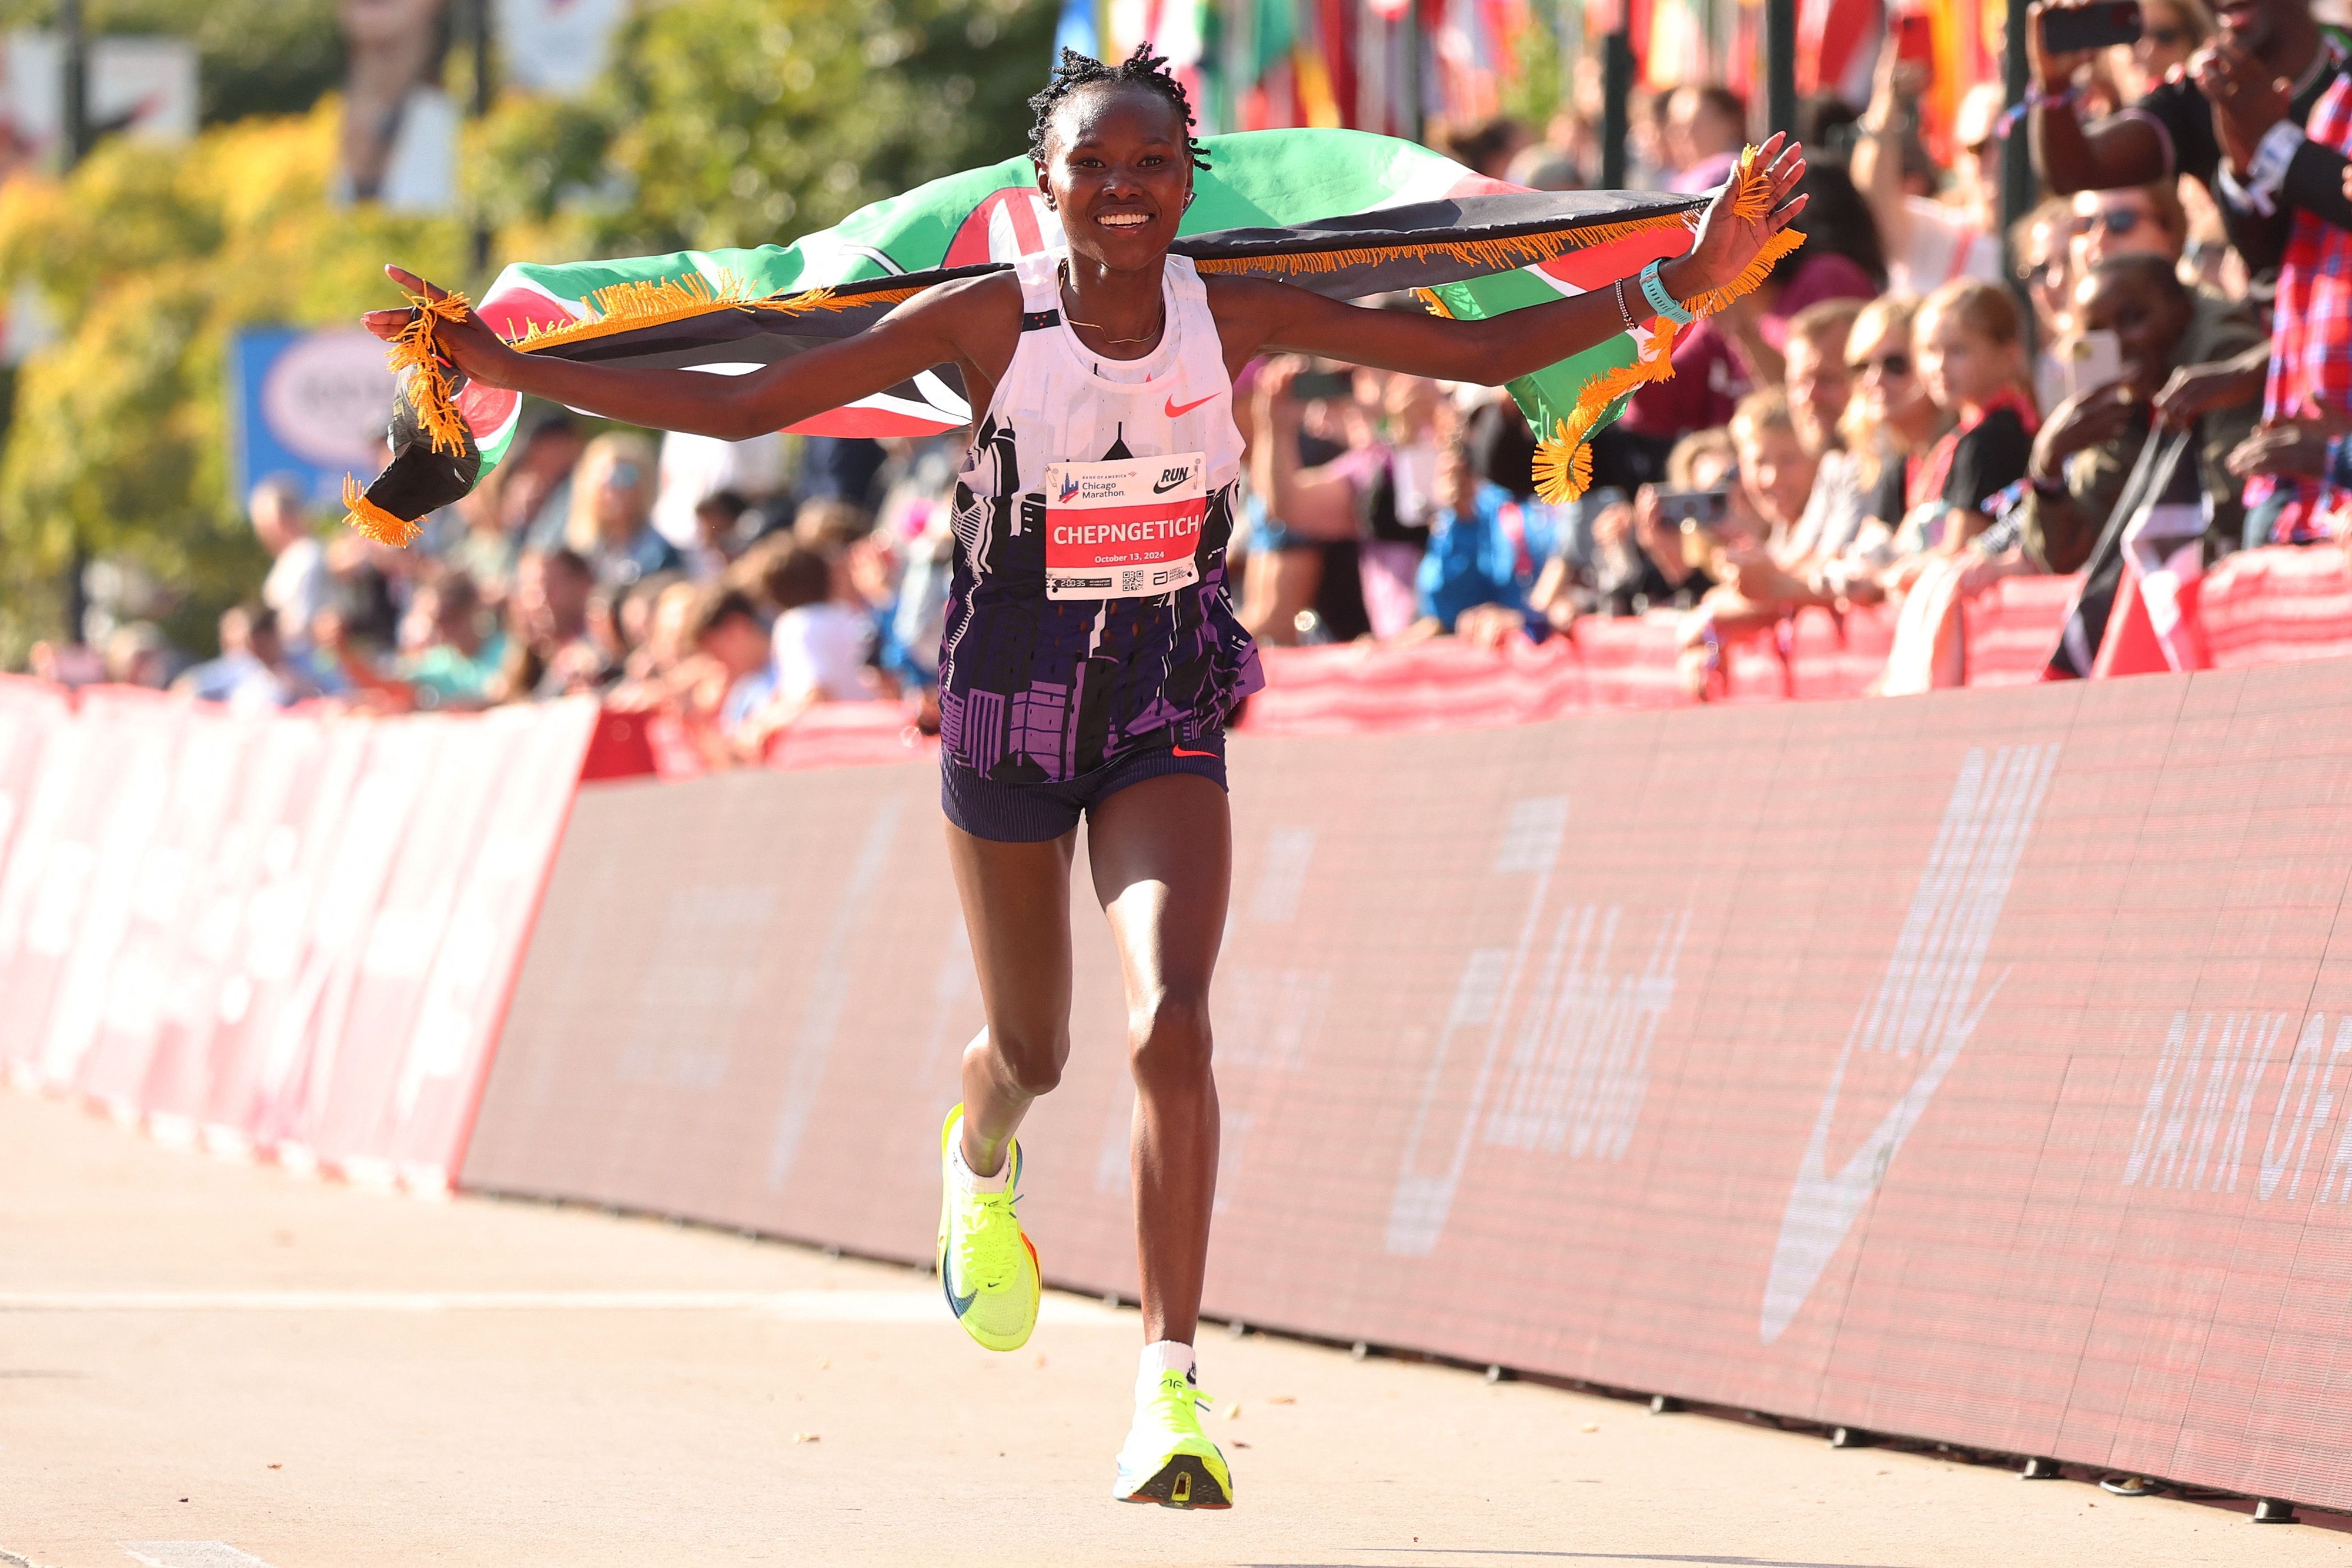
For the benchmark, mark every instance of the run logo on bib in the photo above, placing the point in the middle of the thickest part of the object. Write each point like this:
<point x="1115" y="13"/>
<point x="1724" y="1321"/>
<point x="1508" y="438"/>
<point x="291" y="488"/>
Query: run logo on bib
<point x="1126" y="529"/>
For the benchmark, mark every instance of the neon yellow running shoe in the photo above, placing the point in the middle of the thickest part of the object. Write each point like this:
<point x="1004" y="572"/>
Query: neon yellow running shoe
<point x="987" y="1265"/>
<point x="1167" y="1460"/>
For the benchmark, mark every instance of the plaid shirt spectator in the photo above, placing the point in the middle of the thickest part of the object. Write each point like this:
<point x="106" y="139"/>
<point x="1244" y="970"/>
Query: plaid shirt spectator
<point x="2311" y="357"/>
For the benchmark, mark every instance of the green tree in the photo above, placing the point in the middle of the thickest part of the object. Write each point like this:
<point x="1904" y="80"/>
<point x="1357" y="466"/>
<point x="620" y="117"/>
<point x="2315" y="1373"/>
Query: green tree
<point x="152" y="257"/>
<point x="739" y="122"/>
<point x="721" y="122"/>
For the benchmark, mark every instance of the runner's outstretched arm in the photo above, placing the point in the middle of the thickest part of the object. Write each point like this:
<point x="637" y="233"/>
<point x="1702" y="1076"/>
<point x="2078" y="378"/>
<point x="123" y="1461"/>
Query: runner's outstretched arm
<point x="934" y="327"/>
<point x="1497" y="350"/>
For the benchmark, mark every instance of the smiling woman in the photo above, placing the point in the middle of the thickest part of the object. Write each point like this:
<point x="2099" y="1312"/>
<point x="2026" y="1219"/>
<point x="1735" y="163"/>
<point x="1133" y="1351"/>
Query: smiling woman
<point x="1091" y="655"/>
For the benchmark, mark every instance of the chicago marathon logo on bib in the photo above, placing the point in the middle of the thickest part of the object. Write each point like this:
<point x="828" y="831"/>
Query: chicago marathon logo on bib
<point x="1124" y="530"/>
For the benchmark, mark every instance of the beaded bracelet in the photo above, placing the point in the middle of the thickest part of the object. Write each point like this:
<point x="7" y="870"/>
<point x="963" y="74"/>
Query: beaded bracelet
<point x="1623" y="309"/>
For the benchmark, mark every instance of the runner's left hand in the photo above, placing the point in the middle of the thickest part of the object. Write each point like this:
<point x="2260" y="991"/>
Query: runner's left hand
<point x="1728" y="242"/>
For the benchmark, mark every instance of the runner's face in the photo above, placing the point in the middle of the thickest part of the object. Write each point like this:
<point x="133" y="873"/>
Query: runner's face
<point x="1118" y="173"/>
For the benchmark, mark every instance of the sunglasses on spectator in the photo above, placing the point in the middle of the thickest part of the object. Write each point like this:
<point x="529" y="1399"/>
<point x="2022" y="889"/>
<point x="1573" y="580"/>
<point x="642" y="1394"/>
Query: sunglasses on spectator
<point x="1891" y="366"/>
<point x="2116" y="221"/>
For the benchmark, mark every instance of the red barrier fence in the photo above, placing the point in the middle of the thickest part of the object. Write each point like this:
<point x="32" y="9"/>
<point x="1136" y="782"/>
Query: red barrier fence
<point x="276" y="933"/>
<point x="1973" y="1067"/>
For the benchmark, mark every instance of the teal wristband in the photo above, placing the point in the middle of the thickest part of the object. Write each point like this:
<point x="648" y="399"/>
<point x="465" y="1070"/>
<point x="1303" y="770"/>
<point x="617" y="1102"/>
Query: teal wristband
<point x="1654" y="289"/>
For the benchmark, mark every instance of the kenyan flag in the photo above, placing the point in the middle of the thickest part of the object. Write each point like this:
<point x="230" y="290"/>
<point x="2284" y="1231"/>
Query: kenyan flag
<point x="1340" y="212"/>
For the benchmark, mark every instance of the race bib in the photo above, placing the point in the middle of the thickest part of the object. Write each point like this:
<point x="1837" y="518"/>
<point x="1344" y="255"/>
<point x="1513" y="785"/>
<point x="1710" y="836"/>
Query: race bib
<point x="1126" y="529"/>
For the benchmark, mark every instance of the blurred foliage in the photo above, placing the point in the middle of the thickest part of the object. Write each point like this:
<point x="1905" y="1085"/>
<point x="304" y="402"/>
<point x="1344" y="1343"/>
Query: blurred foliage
<point x="253" y="56"/>
<point x="151" y="257"/>
<point x="744" y="123"/>
<point x="1542" y="84"/>
<point x="721" y="122"/>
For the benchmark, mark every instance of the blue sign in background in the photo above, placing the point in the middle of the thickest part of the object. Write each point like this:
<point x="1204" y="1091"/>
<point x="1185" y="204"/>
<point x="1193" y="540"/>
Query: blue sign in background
<point x="310" y="405"/>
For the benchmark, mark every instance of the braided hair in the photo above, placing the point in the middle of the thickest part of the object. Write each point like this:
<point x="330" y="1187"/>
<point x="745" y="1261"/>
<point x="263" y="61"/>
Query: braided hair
<point x="1142" y="68"/>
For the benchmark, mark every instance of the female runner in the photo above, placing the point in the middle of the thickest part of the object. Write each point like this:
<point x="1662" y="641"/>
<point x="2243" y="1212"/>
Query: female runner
<point x="1091" y="654"/>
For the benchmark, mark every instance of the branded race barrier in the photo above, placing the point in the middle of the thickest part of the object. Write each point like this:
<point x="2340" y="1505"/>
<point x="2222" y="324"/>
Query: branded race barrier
<point x="276" y="933"/>
<point x="2272" y="606"/>
<point x="1630" y="663"/>
<point x="1975" y="1067"/>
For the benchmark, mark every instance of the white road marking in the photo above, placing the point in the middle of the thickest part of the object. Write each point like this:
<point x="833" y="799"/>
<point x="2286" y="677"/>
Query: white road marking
<point x="191" y="1554"/>
<point x="793" y="1306"/>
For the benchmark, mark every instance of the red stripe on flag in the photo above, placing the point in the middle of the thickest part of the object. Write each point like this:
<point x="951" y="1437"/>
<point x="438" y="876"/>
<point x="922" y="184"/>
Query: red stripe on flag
<point x="1598" y="265"/>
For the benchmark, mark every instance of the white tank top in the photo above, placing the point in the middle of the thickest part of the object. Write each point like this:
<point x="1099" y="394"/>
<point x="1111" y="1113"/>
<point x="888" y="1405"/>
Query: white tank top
<point x="1064" y="403"/>
<point x="1089" y="617"/>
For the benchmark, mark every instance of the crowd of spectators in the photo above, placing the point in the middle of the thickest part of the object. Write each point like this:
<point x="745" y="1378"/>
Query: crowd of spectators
<point x="1882" y="422"/>
<point x="730" y="586"/>
<point x="1896" y="416"/>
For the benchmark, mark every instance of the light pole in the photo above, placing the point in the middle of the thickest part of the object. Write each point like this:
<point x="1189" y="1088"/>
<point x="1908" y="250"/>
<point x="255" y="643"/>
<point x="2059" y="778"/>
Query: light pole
<point x="479" y="18"/>
<point x="76" y="146"/>
<point x="1781" y="64"/>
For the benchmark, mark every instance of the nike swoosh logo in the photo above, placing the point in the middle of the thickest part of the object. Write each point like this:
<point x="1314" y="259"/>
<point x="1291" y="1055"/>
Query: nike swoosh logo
<point x="1166" y="484"/>
<point x="1173" y="410"/>
<point x="956" y="1304"/>
<point x="1923" y="1001"/>
<point x="1823" y="1207"/>
<point x="1180" y="752"/>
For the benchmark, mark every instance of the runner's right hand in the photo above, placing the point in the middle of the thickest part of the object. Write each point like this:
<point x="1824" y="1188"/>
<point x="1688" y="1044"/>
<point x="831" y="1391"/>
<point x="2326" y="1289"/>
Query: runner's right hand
<point x="469" y="344"/>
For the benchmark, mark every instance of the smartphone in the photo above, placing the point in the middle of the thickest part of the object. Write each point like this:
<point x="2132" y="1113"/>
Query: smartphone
<point x="1914" y="40"/>
<point x="1689" y="508"/>
<point x="2068" y="29"/>
<point x="2090" y="360"/>
<point x="1323" y="386"/>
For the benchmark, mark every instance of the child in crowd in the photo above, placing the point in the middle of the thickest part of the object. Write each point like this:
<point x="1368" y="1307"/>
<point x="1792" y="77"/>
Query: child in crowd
<point x="1969" y="343"/>
<point x="1969" y="337"/>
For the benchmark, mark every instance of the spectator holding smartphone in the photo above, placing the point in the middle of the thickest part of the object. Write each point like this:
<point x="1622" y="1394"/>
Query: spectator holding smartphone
<point x="2268" y="65"/>
<point x="1755" y="589"/>
<point x="2087" y="448"/>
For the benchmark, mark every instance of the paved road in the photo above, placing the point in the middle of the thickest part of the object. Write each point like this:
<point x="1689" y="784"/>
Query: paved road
<point x="203" y="1365"/>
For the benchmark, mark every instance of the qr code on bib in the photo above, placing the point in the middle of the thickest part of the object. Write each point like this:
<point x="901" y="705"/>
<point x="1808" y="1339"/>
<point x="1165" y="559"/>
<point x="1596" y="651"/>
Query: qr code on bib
<point x="1131" y="581"/>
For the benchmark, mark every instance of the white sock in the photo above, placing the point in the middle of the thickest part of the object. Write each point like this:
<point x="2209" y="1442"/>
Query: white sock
<point x="971" y="1181"/>
<point x="1161" y="1356"/>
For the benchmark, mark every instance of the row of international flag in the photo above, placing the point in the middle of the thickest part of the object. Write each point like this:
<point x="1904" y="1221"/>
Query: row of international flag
<point x="1394" y="66"/>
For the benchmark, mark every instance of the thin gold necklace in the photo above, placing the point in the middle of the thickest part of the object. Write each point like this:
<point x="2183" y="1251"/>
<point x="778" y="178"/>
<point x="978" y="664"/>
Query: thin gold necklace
<point x="1062" y="273"/>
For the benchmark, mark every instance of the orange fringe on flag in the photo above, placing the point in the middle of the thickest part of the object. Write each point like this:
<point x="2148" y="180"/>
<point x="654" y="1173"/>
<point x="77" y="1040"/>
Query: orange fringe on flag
<point x="1563" y="464"/>
<point x="625" y="306"/>
<point x="1564" y="459"/>
<point x="1505" y="255"/>
<point x="430" y="388"/>
<point x="374" y="520"/>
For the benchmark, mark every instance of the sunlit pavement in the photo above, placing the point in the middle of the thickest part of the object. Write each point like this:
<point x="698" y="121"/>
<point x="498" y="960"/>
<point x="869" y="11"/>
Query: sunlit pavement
<point x="207" y="1365"/>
